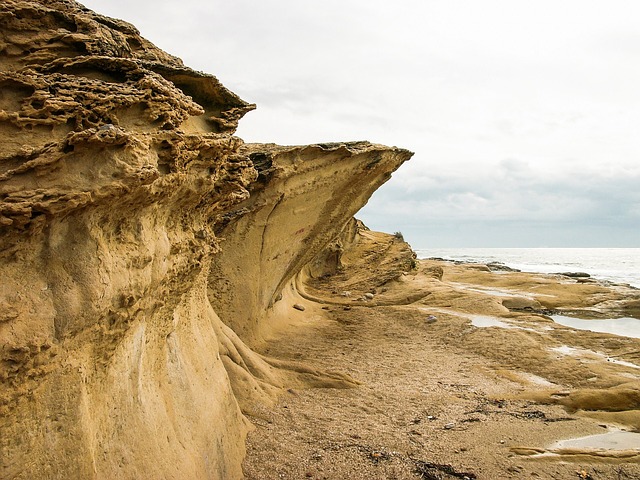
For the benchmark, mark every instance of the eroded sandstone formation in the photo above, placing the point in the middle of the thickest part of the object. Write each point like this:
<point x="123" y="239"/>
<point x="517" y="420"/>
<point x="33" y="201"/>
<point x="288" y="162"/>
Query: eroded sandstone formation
<point x="296" y="207"/>
<point x="121" y="185"/>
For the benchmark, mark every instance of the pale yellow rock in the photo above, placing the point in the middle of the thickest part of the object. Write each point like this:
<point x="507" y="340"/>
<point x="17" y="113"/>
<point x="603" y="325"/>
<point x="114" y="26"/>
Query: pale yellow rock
<point x="120" y="183"/>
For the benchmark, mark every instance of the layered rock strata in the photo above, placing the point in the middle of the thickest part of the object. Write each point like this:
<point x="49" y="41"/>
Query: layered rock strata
<point x="123" y="353"/>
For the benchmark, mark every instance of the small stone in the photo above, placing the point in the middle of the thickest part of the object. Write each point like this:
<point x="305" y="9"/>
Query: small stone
<point x="368" y="296"/>
<point x="431" y="319"/>
<point x="449" y="426"/>
<point x="297" y="306"/>
<point x="346" y="294"/>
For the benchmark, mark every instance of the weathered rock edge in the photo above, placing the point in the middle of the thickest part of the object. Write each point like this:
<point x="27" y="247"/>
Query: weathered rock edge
<point x="128" y="209"/>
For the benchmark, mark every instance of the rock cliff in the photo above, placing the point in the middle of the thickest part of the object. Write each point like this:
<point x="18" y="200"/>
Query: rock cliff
<point x="143" y="250"/>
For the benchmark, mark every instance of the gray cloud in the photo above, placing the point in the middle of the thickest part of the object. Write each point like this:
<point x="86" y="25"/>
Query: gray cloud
<point x="523" y="115"/>
<point x="513" y="199"/>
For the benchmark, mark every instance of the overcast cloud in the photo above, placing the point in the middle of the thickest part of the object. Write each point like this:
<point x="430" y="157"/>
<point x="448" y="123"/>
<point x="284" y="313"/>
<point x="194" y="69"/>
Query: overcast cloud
<point x="523" y="114"/>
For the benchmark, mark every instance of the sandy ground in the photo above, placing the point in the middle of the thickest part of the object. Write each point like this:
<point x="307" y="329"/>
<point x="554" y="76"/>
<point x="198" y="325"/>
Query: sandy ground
<point x="438" y="397"/>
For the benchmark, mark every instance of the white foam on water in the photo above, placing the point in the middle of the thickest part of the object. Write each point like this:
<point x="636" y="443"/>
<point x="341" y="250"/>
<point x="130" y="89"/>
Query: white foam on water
<point x="620" y="265"/>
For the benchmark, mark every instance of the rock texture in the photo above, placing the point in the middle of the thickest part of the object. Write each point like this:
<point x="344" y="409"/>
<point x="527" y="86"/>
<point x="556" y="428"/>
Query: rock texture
<point x="298" y="205"/>
<point x="140" y="244"/>
<point x="462" y="376"/>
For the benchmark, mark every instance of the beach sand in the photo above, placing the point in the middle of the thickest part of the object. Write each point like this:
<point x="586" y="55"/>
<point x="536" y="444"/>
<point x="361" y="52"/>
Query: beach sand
<point x="439" y="397"/>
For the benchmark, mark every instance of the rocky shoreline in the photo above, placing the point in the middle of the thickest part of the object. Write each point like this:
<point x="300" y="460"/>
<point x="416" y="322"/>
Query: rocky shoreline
<point x="448" y="376"/>
<point x="627" y="295"/>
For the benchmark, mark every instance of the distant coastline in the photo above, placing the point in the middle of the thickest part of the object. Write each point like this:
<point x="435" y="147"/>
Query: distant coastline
<point x="616" y="265"/>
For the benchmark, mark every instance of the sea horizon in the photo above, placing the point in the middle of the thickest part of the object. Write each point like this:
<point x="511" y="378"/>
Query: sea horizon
<point x="614" y="264"/>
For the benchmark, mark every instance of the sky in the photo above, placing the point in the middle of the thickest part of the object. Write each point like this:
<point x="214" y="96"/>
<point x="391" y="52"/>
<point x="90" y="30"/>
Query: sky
<point x="523" y="114"/>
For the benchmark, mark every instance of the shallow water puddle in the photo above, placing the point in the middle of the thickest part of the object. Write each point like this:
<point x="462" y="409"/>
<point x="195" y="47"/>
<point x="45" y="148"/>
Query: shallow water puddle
<point x="590" y="355"/>
<point x="614" y="440"/>
<point x="615" y="445"/>
<point x="479" y="321"/>
<point x="625" y="327"/>
<point x="482" y="321"/>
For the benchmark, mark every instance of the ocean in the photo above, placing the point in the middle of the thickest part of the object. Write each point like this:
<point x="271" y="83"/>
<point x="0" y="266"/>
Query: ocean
<point x="619" y="265"/>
